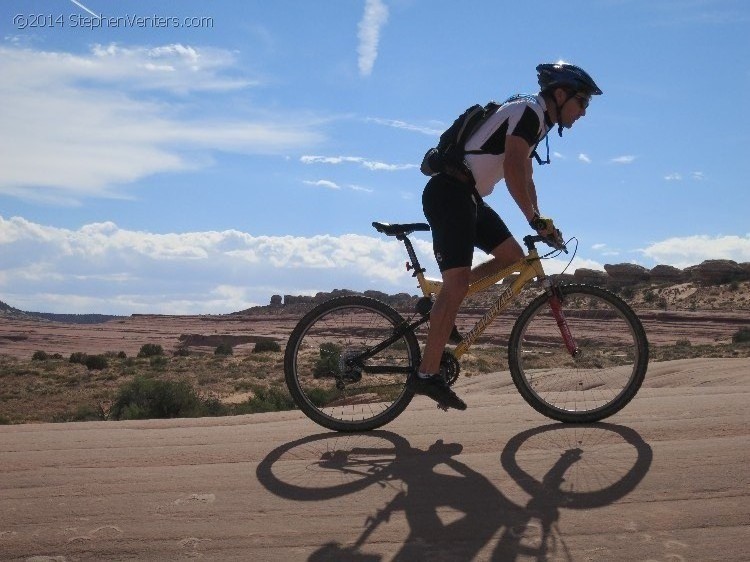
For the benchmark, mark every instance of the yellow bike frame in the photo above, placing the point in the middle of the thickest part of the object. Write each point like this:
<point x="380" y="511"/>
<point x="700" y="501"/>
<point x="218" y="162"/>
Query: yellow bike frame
<point x="527" y="268"/>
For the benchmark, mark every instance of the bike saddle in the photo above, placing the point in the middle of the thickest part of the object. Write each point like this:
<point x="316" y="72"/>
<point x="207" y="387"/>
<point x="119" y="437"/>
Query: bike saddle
<point x="400" y="229"/>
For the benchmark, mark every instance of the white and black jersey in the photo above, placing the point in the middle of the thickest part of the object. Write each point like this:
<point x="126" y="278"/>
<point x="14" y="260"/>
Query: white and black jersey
<point x="525" y="117"/>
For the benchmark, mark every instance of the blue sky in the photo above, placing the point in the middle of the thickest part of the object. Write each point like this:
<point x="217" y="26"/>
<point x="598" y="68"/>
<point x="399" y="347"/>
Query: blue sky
<point x="199" y="157"/>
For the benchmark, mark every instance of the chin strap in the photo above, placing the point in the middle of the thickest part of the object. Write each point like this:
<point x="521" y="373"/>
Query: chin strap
<point x="558" y="109"/>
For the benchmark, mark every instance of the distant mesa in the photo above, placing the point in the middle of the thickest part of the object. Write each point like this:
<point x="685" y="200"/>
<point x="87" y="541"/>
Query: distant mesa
<point x="614" y="276"/>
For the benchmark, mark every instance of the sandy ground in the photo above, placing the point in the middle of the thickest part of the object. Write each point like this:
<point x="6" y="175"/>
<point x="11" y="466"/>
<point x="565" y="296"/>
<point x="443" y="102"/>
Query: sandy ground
<point x="665" y="480"/>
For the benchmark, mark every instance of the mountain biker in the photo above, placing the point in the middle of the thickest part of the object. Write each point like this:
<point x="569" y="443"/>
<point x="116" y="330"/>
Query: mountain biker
<point x="460" y="219"/>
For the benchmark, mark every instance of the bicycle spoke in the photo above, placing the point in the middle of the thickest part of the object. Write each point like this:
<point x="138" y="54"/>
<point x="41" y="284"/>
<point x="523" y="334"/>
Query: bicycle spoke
<point x="345" y="367"/>
<point x="602" y="376"/>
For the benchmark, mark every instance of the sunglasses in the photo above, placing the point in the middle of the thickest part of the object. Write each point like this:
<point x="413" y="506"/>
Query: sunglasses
<point x="583" y="101"/>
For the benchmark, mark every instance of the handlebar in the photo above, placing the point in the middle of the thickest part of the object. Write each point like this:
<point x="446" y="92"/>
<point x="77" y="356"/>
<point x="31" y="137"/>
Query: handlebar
<point x="530" y="243"/>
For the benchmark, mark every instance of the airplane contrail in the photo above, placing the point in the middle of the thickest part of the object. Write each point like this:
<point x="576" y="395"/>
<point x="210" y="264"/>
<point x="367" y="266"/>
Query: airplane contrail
<point x="85" y="8"/>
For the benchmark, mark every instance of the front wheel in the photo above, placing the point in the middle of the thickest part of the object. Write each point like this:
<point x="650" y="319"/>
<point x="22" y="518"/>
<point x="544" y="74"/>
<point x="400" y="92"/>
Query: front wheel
<point x="596" y="380"/>
<point x="347" y="361"/>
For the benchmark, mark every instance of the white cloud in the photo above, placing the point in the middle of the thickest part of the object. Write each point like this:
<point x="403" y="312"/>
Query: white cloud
<point x="102" y="268"/>
<point x="374" y="18"/>
<point x="676" y="176"/>
<point x="584" y="158"/>
<point x="78" y="126"/>
<point x="692" y="250"/>
<point x="369" y="164"/>
<point x="328" y="184"/>
<point x="323" y="183"/>
<point x="625" y="159"/>
<point x="396" y="124"/>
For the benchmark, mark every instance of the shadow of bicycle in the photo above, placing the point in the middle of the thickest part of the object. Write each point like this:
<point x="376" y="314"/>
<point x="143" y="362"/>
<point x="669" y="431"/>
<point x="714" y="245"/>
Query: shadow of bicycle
<point x="558" y="466"/>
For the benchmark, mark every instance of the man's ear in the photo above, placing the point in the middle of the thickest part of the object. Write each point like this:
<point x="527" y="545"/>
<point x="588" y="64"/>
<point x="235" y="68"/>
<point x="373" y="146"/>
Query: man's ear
<point x="560" y="96"/>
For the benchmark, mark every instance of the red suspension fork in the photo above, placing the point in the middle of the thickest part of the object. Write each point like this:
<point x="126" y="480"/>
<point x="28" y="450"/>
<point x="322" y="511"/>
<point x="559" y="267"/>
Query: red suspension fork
<point x="556" y="306"/>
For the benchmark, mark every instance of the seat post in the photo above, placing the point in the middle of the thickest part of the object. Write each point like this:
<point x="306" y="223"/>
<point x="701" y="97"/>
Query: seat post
<point x="412" y="255"/>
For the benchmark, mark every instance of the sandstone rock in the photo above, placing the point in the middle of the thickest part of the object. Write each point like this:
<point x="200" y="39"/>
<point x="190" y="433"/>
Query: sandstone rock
<point x="624" y="274"/>
<point x="564" y="278"/>
<point x="668" y="274"/>
<point x="276" y="300"/>
<point x="716" y="272"/>
<point x="293" y="299"/>
<point x="590" y="277"/>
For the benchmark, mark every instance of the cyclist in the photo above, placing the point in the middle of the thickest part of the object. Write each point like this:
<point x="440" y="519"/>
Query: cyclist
<point x="461" y="220"/>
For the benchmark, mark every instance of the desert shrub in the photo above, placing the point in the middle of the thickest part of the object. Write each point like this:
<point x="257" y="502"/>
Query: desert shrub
<point x="649" y="296"/>
<point x="266" y="345"/>
<point x="158" y="362"/>
<point x="96" y="362"/>
<point x="272" y="399"/>
<point x="87" y="412"/>
<point x="741" y="336"/>
<point x="39" y="356"/>
<point x="628" y="293"/>
<point x="122" y="355"/>
<point x="151" y="350"/>
<point x="147" y="398"/>
<point x="223" y="349"/>
<point x="328" y="363"/>
<point x="182" y="351"/>
<point x="78" y="357"/>
<point x="683" y="343"/>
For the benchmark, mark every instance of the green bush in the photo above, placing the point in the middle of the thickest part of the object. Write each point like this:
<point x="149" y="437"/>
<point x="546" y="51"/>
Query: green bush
<point x="88" y="413"/>
<point x="741" y="336"/>
<point x="223" y="349"/>
<point x="266" y="345"/>
<point x="39" y="356"/>
<point x="96" y="362"/>
<point x="78" y="357"/>
<point x="328" y="363"/>
<point x="146" y="398"/>
<point x="158" y="362"/>
<point x="271" y="399"/>
<point x="151" y="350"/>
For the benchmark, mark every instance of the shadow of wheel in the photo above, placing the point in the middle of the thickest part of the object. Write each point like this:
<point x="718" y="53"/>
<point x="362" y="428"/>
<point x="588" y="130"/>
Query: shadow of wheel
<point x="599" y="463"/>
<point x="329" y="465"/>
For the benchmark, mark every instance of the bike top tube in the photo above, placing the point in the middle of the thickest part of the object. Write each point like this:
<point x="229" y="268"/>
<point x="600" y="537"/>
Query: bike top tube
<point x="428" y="286"/>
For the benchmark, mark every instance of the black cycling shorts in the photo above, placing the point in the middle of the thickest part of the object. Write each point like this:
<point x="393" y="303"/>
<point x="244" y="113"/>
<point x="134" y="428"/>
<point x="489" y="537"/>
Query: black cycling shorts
<point x="460" y="221"/>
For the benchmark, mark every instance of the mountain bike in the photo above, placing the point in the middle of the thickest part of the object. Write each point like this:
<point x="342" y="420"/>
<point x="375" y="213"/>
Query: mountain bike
<point x="577" y="353"/>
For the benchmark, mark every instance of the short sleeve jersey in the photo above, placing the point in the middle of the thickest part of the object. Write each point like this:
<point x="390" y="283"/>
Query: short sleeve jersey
<point x="525" y="117"/>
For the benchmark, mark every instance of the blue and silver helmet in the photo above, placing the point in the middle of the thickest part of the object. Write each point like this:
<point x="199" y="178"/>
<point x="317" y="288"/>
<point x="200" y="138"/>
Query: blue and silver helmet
<point x="564" y="75"/>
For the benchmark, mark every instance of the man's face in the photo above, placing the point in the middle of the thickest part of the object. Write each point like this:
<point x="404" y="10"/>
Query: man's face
<point x="574" y="108"/>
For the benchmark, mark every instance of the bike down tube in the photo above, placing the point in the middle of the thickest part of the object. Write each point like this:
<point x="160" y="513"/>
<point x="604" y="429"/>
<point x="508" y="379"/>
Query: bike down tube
<point x="526" y="272"/>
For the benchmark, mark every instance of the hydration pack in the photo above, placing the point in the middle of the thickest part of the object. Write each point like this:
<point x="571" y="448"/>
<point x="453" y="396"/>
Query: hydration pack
<point x="448" y="155"/>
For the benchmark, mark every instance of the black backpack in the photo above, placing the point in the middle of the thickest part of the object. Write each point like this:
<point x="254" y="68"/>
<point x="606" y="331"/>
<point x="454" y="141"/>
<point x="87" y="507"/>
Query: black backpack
<point x="448" y="155"/>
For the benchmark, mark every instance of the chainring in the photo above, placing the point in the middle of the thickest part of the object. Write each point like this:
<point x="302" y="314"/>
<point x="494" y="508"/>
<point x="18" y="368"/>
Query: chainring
<point x="449" y="367"/>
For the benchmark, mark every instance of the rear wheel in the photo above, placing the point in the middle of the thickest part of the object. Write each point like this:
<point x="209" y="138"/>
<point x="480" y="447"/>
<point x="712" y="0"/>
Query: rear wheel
<point x="342" y="370"/>
<point x="604" y="374"/>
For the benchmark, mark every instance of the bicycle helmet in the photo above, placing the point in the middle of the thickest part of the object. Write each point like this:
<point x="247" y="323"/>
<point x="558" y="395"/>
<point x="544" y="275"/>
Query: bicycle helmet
<point x="564" y="75"/>
<point x="568" y="76"/>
